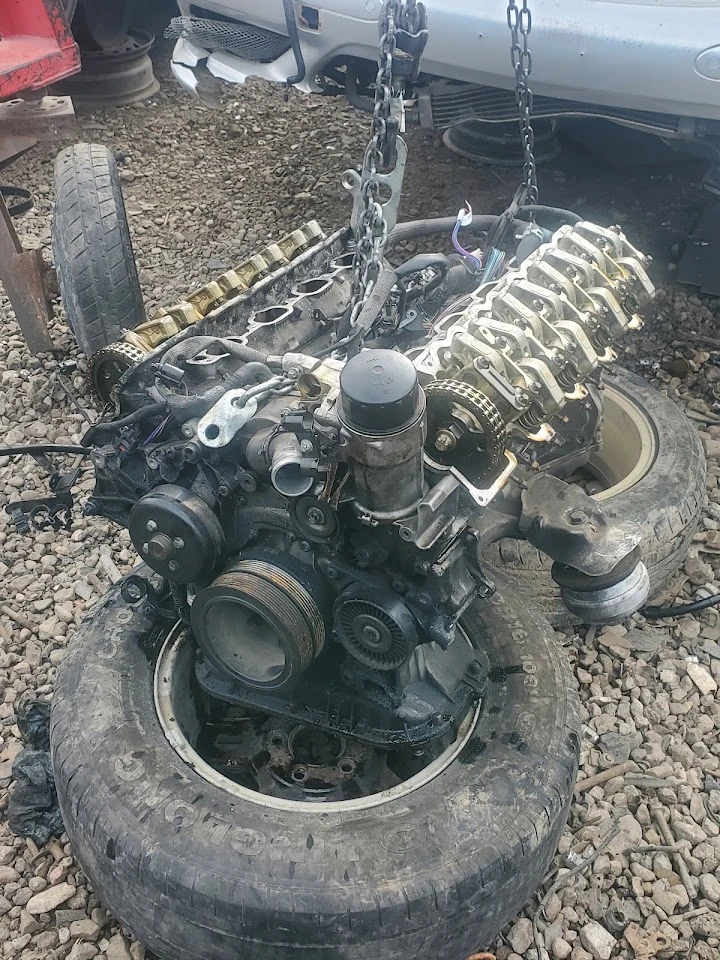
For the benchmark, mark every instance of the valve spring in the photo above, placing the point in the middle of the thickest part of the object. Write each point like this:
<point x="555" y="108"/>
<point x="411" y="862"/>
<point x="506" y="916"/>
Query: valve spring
<point x="568" y="377"/>
<point x="529" y="420"/>
<point x="601" y="338"/>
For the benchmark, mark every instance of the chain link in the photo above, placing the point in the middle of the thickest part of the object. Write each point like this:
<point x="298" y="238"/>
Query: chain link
<point x="520" y="23"/>
<point x="372" y="228"/>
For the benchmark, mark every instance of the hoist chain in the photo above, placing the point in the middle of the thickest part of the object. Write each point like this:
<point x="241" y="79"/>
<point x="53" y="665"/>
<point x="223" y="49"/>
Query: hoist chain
<point x="519" y="20"/>
<point x="403" y="35"/>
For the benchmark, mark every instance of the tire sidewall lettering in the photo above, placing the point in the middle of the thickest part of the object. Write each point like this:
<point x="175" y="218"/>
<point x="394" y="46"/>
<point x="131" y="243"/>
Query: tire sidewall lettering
<point x="180" y="814"/>
<point x="129" y="767"/>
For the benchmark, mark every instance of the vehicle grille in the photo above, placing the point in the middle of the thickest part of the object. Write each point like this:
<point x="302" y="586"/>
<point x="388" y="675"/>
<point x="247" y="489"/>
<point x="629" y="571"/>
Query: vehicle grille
<point x="242" y="39"/>
<point x="451" y="103"/>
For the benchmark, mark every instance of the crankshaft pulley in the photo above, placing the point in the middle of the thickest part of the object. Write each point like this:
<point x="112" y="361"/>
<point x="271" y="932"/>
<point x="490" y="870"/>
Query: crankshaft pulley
<point x="260" y="622"/>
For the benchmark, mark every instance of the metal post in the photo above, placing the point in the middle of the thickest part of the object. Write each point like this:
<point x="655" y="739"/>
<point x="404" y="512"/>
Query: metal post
<point x="21" y="272"/>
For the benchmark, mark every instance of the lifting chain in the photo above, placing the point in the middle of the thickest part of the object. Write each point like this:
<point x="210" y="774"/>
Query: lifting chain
<point x="519" y="20"/>
<point x="403" y="35"/>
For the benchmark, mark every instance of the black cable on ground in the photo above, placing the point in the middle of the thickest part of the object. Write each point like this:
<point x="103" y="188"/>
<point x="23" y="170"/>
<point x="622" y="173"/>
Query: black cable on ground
<point x="22" y="197"/>
<point x="661" y="613"/>
<point x="29" y="449"/>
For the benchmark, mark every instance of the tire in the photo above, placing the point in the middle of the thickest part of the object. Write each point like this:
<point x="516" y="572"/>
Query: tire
<point x="93" y="251"/>
<point x="197" y="871"/>
<point x="666" y="498"/>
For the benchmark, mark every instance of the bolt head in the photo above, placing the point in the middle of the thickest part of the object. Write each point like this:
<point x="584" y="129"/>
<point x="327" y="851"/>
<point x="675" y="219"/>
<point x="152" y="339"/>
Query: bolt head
<point x="371" y="634"/>
<point x="151" y="526"/>
<point x="577" y="517"/>
<point x="172" y="566"/>
<point x="315" y="516"/>
<point x="445" y="441"/>
<point x="178" y="543"/>
<point x="306" y="446"/>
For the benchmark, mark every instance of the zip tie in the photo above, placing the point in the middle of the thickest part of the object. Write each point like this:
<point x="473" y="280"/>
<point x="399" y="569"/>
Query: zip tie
<point x="464" y="219"/>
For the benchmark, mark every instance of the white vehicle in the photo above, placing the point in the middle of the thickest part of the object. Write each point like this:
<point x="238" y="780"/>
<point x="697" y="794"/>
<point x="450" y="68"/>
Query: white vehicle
<point x="650" y="64"/>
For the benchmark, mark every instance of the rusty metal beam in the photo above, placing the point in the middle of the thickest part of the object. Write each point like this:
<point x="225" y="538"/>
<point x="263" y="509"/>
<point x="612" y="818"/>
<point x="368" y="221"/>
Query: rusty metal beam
<point x="21" y="272"/>
<point x="49" y="118"/>
<point x="13" y="147"/>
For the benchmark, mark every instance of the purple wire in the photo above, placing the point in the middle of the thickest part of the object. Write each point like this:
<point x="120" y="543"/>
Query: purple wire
<point x="461" y="250"/>
<point x="157" y="431"/>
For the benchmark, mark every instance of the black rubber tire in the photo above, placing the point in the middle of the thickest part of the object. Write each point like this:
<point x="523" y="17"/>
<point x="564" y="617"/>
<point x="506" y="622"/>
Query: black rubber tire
<point x="196" y="872"/>
<point x="93" y="251"/>
<point x="667" y="502"/>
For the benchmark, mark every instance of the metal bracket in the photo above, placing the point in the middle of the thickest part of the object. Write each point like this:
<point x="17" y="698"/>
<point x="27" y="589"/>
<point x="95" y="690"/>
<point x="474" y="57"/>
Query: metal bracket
<point x="482" y="497"/>
<point x="561" y="520"/>
<point x="21" y="272"/>
<point x="353" y="181"/>
<point x="223" y="420"/>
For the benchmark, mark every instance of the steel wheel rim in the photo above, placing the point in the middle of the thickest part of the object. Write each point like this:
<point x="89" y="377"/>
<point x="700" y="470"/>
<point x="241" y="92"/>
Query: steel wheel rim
<point x="165" y="675"/>
<point x="622" y="469"/>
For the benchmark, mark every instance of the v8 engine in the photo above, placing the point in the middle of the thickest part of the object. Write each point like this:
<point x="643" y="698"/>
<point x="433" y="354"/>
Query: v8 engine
<point x="316" y="505"/>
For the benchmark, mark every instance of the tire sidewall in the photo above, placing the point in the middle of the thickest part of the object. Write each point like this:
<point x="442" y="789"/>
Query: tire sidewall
<point x="137" y="813"/>
<point x="667" y="503"/>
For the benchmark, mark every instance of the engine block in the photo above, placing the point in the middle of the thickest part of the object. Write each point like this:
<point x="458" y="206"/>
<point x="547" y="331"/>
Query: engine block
<point x="530" y="340"/>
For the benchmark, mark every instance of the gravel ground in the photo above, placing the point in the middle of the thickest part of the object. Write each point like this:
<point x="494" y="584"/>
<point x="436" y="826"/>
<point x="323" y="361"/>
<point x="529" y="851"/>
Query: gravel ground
<point x="205" y="189"/>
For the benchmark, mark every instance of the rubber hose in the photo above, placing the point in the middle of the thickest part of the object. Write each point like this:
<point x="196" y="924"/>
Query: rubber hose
<point x="682" y="610"/>
<point x="188" y="348"/>
<point x="354" y="97"/>
<point x="481" y="223"/>
<point x="421" y="262"/>
<point x="538" y="209"/>
<point x="185" y="408"/>
<point x="109" y="426"/>
<point x="412" y="229"/>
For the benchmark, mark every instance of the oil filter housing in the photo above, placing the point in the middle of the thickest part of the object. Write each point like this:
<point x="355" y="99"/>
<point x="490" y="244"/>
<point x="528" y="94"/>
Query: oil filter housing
<point x="382" y="412"/>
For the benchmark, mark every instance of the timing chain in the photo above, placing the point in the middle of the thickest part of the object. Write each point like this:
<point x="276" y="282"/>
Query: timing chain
<point x="403" y="34"/>
<point x="520" y="23"/>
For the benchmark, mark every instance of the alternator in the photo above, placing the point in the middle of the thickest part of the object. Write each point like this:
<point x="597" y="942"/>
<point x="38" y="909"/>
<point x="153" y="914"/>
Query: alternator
<point x="530" y="341"/>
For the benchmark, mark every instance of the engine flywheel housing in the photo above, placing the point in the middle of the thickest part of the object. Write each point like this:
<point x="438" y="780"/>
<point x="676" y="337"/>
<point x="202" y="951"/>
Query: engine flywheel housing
<point x="374" y="626"/>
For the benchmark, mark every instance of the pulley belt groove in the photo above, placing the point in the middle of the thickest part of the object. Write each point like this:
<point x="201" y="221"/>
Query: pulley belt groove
<point x="284" y="597"/>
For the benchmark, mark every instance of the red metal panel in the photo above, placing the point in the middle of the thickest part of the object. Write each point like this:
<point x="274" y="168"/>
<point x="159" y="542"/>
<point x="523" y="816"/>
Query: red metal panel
<point x="36" y="46"/>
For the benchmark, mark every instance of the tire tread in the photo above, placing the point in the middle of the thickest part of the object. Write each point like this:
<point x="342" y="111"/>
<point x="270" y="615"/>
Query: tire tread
<point x="93" y="249"/>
